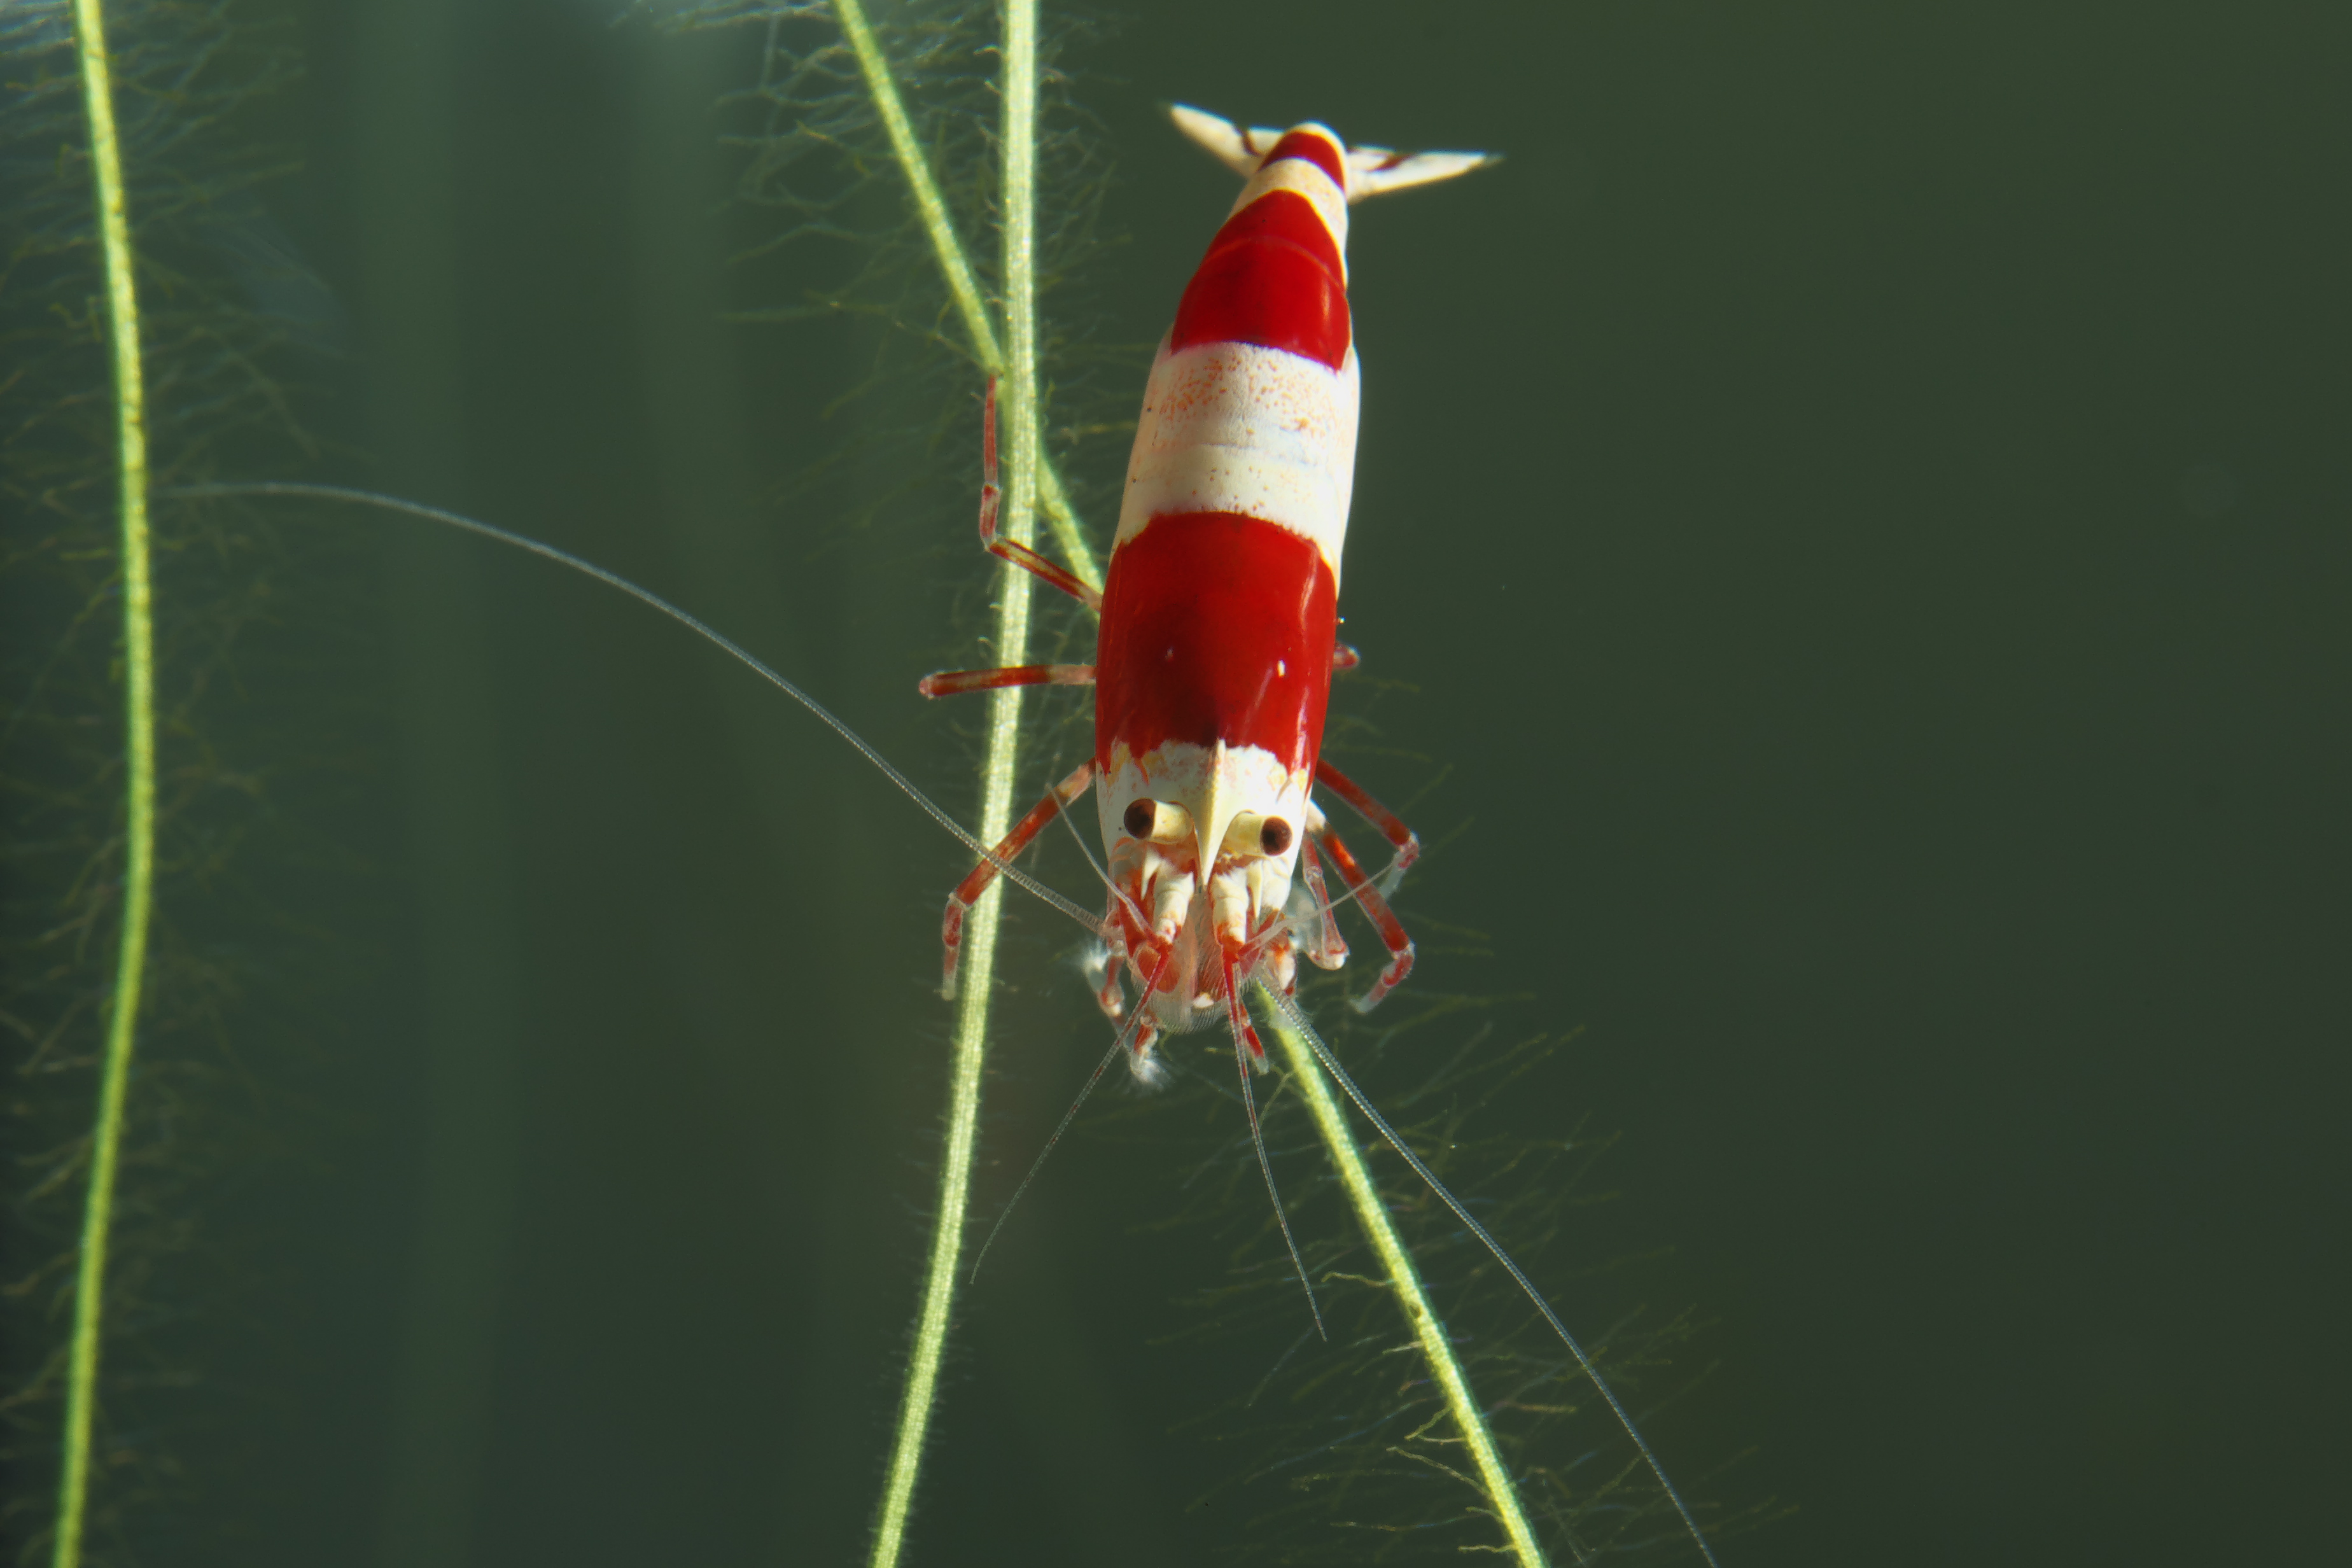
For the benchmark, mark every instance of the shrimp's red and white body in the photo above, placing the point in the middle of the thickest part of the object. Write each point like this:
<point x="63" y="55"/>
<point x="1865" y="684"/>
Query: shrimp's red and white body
<point x="1214" y="660"/>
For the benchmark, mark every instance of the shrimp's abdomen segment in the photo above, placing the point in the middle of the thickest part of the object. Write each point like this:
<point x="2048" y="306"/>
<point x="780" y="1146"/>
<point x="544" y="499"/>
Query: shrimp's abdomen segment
<point x="1251" y="408"/>
<point x="1216" y="627"/>
<point x="1272" y="276"/>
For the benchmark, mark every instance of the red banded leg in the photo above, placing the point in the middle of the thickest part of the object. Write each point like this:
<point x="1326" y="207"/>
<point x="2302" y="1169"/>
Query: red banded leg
<point x="953" y="682"/>
<point x="1377" y="909"/>
<point x="1012" y="550"/>
<point x="1406" y="842"/>
<point x="968" y="891"/>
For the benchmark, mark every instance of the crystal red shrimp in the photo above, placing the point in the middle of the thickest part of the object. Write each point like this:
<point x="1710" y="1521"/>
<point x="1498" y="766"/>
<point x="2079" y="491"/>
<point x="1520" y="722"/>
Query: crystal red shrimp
<point x="1214" y="659"/>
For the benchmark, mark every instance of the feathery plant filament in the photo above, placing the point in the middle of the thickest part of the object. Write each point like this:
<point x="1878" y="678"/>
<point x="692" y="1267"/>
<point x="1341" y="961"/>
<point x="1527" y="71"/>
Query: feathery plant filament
<point x="139" y="778"/>
<point x="955" y="264"/>
<point x="1429" y="1332"/>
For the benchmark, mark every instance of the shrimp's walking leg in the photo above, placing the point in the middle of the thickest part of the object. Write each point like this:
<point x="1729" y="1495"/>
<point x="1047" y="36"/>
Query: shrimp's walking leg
<point x="1391" y="826"/>
<point x="1012" y="550"/>
<point x="968" y="891"/>
<point x="1383" y="919"/>
<point x="952" y="682"/>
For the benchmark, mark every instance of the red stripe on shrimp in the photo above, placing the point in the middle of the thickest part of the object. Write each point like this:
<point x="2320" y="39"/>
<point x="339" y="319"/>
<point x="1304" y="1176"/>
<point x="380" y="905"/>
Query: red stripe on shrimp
<point x="1316" y="147"/>
<point x="1272" y="276"/>
<point x="1215" y="628"/>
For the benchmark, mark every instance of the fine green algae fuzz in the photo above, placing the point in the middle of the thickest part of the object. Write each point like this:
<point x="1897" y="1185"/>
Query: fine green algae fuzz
<point x="159" y="990"/>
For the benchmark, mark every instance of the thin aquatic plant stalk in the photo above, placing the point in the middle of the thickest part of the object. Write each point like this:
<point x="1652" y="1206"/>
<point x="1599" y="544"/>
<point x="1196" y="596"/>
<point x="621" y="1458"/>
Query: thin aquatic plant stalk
<point x="139" y="779"/>
<point x="1404" y="1279"/>
<point x="970" y="1051"/>
<point x="955" y="264"/>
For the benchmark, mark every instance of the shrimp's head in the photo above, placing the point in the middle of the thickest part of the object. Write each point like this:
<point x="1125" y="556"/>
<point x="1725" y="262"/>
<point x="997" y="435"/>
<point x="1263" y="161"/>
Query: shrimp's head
<point x="1203" y="844"/>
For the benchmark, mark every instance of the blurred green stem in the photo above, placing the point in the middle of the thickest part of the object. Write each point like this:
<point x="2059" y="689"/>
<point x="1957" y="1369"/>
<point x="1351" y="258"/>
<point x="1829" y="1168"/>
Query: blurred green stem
<point x="956" y="265"/>
<point x="1364" y="1197"/>
<point x="139" y="777"/>
<point x="1019" y="395"/>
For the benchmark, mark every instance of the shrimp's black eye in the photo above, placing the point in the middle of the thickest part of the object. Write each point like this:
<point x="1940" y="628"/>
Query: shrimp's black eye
<point x="1275" y="837"/>
<point x="1141" y="815"/>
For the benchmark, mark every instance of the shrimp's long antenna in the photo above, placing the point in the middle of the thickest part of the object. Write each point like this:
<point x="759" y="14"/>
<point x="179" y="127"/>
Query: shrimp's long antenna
<point x="1297" y="1018"/>
<point x="1126" y="1034"/>
<point x="564" y="558"/>
<point x="1247" y="1049"/>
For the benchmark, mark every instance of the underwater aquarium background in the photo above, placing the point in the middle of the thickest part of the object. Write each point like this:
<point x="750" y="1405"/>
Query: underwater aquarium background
<point x="1850" y="553"/>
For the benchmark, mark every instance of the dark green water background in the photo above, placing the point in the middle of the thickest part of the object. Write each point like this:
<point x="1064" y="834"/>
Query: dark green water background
<point x="1850" y="550"/>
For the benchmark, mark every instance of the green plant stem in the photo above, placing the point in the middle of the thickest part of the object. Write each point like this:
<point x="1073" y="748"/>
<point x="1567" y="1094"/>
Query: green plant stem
<point x="1019" y="399"/>
<point x="955" y="264"/>
<point x="1405" y="1280"/>
<point x="139" y="779"/>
